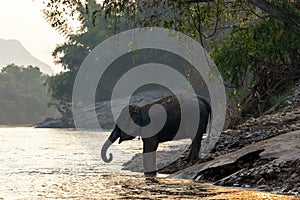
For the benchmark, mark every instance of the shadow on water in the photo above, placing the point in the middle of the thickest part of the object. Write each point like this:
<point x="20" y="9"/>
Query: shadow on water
<point x="54" y="164"/>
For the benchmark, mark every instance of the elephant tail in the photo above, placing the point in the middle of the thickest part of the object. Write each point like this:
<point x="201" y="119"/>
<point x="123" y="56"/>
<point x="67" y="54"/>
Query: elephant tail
<point x="208" y="107"/>
<point x="210" y="116"/>
<point x="210" y="125"/>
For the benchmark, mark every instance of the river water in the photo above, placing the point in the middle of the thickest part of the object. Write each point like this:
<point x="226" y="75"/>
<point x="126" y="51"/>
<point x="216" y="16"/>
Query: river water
<point x="65" y="164"/>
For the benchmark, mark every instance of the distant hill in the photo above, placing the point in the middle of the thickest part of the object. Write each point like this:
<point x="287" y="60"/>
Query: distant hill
<point x="12" y="51"/>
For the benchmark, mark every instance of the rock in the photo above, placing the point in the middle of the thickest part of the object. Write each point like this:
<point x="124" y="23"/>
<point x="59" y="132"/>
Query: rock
<point x="270" y="172"/>
<point x="261" y="187"/>
<point x="103" y="112"/>
<point x="227" y="164"/>
<point x="277" y="164"/>
<point x="164" y="158"/>
<point x="261" y="172"/>
<point x="51" y="123"/>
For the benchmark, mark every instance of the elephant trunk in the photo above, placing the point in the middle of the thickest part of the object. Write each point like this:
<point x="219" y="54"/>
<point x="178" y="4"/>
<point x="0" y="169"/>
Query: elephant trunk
<point x="105" y="146"/>
<point x="113" y="137"/>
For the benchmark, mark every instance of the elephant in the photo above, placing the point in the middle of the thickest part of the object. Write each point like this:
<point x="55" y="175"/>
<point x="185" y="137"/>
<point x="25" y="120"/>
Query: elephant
<point x="172" y="107"/>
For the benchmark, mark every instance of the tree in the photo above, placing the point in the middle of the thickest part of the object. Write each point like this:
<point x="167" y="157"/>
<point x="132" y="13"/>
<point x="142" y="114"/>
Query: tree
<point x="258" y="32"/>
<point x="24" y="98"/>
<point x="260" y="61"/>
<point x="189" y="16"/>
<point x="72" y="53"/>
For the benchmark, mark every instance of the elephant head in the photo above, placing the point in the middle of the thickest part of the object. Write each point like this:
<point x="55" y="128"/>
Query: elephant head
<point x="127" y="122"/>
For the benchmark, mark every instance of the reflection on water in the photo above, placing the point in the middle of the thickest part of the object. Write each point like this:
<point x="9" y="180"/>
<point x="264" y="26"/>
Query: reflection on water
<point x="60" y="164"/>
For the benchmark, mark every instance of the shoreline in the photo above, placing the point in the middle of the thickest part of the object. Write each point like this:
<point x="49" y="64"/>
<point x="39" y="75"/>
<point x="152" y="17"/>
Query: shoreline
<point x="17" y="126"/>
<point x="277" y="176"/>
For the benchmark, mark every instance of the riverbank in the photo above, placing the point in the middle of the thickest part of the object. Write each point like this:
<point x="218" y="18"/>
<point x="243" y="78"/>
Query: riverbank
<point x="263" y="153"/>
<point x="63" y="164"/>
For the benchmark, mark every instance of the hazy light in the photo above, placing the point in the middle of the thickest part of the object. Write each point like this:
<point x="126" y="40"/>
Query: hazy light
<point x="23" y="21"/>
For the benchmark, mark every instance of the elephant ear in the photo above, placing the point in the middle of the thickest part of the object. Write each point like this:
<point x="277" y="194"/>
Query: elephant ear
<point x="129" y="120"/>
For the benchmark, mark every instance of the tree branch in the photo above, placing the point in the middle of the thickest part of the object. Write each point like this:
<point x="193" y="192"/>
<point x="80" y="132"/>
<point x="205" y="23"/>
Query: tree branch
<point x="268" y="8"/>
<point x="273" y="10"/>
<point x="265" y="6"/>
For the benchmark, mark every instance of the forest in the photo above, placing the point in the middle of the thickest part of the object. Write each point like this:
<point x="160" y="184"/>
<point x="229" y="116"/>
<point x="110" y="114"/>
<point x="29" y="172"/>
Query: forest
<point x="255" y="44"/>
<point x="24" y="97"/>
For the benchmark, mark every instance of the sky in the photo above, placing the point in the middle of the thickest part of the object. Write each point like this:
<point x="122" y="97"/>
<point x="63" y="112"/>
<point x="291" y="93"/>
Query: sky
<point x="23" y="20"/>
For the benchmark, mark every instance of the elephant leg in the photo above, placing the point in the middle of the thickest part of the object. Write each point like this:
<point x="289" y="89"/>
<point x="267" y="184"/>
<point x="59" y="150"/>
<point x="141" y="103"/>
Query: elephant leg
<point x="149" y="156"/>
<point x="196" y="144"/>
<point x="195" y="148"/>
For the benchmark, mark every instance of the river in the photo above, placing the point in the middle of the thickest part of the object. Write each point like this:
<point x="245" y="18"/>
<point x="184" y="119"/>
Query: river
<point x="65" y="164"/>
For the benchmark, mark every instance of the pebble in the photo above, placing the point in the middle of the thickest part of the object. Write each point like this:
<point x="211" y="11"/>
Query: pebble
<point x="270" y="171"/>
<point x="261" y="187"/>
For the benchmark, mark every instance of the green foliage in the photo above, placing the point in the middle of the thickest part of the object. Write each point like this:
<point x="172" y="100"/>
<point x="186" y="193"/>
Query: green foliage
<point x="199" y="20"/>
<point x="24" y="98"/>
<point x="60" y="87"/>
<point x="99" y="22"/>
<point x="258" y="61"/>
<point x="91" y="32"/>
<point x="278" y="101"/>
<point x="72" y="53"/>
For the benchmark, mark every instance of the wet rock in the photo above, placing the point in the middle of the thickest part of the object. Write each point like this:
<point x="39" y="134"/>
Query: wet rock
<point x="274" y="162"/>
<point x="164" y="158"/>
<point x="219" y="168"/>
